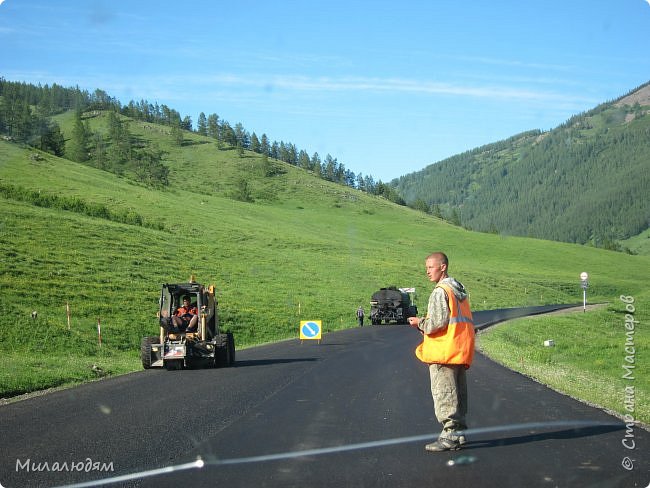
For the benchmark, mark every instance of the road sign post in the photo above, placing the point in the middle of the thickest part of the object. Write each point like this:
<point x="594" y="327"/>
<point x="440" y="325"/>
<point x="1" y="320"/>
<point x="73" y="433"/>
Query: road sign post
<point x="585" y="284"/>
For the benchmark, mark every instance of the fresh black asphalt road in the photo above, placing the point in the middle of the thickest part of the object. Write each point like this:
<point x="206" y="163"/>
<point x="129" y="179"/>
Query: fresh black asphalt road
<point x="353" y="410"/>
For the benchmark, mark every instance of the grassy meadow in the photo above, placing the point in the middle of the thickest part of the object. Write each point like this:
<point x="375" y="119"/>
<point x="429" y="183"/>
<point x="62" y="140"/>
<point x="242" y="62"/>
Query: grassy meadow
<point x="303" y="249"/>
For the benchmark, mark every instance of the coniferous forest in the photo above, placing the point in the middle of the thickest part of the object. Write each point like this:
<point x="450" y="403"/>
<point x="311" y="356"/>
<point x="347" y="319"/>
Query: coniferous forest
<point x="584" y="182"/>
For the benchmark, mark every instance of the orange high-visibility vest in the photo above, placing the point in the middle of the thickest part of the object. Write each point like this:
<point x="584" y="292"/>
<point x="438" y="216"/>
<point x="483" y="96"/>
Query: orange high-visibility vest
<point x="184" y="311"/>
<point x="455" y="343"/>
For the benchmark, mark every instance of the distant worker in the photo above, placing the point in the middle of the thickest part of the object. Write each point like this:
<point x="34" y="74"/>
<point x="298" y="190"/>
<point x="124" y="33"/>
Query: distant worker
<point x="360" y="315"/>
<point x="186" y="317"/>
<point x="448" y="348"/>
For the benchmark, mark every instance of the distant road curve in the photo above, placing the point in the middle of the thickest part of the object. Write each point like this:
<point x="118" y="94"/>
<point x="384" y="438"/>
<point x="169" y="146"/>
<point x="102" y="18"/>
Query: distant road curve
<point x="487" y="318"/>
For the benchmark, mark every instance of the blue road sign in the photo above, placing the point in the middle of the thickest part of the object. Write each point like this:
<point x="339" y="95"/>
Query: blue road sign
<point x="310" y="329"/>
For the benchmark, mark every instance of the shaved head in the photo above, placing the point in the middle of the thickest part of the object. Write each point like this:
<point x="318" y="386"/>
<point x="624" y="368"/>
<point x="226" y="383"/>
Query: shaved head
<point x="439" y="257"/>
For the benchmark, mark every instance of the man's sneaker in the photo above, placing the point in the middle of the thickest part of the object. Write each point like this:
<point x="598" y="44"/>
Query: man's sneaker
<point x="443" y="444"/>
<point x="454" y="436"/>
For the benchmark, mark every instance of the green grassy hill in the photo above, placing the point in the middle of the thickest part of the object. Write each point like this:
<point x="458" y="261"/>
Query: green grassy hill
<point x="585" y="181"/>
<point x="303" y="249"/>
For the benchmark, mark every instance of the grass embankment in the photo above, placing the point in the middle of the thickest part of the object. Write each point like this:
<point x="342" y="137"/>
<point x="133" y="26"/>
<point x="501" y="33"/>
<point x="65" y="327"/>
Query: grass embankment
<point x="304" y="249"/>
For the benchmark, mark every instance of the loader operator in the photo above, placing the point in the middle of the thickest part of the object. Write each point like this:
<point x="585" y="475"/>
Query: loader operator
<point x="186" y="317"/>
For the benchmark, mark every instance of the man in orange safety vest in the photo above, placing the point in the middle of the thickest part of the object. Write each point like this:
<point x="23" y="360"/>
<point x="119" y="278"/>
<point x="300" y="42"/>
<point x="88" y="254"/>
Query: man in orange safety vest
<point x="448" y="348"/>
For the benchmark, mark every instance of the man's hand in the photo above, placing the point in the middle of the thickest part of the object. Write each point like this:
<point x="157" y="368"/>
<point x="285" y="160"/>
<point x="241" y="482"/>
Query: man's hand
<point x="414" y="322"/>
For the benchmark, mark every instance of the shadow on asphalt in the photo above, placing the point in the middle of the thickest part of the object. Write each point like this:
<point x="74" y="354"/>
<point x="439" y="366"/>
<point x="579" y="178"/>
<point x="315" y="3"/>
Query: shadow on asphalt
<point x="543" y="436"/>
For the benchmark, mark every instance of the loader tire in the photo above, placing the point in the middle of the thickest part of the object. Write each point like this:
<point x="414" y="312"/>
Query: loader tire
<point x="231" y="349"/>
<point x="145" y="350"/>
<point x="224" y="354"/>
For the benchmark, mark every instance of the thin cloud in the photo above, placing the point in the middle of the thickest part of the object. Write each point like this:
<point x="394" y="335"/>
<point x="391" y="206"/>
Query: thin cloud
<point x="387" y="85"/>
<point x="516" y="63"/>
<point x="166" y="87"/>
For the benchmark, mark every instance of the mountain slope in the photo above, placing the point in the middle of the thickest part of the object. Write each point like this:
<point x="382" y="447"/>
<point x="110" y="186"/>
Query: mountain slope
<point x="585" y="181"/>
<point x="305" y="248"/>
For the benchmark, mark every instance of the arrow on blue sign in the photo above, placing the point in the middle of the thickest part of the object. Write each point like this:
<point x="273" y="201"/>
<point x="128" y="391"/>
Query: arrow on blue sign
<point x="310" y="329"/>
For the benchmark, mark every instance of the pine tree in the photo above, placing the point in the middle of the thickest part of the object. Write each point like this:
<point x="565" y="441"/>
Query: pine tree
<point x="119" y="151"/>
<point x="77" y="149"/>
<point x="202" y="127"/>
<point x="303" y="160"/>
<point x="316" y="165"/>
<point x="255" y="143"/>
<point x="329" y="170"/>
<point x="241" y="136"/>
<point x="213" y="126"/>
<point x="150" y="169"/>
<point x="228" y="134"/>
<point x="51" y="139"/>
<point x="361" y="182"/>
<point x="265" y="148"/>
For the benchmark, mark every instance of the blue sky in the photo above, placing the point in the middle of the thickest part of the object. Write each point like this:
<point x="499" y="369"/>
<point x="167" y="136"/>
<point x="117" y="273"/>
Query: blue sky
<point x="387" y="88"/>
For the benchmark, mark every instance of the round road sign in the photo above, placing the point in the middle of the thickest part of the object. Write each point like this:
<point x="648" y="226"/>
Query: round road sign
<point x="310" y="329"/>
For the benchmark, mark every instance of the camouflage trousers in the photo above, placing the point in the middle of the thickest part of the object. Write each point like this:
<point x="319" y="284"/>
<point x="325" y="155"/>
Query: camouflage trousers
<point x="449" y="391"/>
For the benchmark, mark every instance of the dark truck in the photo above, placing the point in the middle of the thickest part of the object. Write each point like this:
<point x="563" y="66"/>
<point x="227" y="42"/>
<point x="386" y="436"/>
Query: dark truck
<point x="391" y="305"/>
